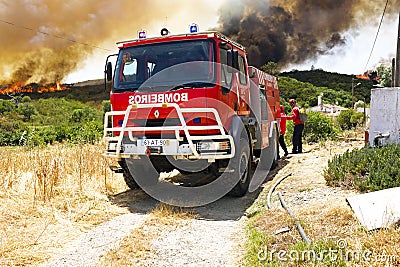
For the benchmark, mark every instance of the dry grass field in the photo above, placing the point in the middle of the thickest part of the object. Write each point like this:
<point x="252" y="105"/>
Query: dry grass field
<point x="50" y="195"/>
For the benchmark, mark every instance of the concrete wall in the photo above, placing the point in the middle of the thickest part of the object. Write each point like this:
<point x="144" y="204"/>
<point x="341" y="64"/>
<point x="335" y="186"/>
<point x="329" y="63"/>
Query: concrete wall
<point x="385" y="114"/>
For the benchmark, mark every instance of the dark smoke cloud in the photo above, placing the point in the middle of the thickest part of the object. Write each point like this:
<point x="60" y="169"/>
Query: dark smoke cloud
<point x="292" y="32"/>
<point x="45" y="40"/>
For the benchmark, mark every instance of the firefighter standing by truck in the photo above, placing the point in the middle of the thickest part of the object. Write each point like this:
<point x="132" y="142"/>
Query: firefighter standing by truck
<point x="298" y="128"/>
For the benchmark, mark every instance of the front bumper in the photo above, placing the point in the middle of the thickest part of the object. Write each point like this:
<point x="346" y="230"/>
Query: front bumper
<point x="211" y="147"/>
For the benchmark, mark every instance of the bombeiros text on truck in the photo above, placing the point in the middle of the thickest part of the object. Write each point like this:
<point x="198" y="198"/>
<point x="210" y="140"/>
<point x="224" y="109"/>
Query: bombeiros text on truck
<point x="191" y="103"/>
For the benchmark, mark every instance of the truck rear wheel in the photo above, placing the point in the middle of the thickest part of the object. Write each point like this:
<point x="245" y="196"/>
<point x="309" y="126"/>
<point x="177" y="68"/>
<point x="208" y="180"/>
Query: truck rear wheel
<point x="270" y="161"/>
<point x="241" y="165"/>
<point x="274" y="145"/>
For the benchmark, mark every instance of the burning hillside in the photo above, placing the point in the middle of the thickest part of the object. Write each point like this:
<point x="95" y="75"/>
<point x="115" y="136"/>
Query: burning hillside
<point x="20" y="88"/>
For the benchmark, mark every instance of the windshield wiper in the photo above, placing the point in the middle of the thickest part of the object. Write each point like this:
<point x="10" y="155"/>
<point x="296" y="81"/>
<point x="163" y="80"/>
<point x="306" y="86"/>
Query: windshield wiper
<point x="192" y="85"/>
<point x="145" y="88"/>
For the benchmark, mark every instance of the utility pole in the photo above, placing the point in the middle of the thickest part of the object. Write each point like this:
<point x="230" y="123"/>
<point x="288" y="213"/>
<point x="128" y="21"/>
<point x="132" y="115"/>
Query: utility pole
<point x="397" y="72"/>
<point x="393" y="71"/>
<point x="352" y="92"/>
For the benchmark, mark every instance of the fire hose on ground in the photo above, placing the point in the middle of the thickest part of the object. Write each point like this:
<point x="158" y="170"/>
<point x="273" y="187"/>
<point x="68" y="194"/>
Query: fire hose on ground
<point x="299" y="227"/>
<point x="273" y="188"/>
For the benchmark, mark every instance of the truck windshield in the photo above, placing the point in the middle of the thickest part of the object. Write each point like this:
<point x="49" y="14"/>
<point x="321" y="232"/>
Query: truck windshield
<point x="165" y="66"/>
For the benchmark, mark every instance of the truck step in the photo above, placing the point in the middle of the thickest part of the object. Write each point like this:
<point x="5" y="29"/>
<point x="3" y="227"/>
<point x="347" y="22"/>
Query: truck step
<point x="117" y="169"/>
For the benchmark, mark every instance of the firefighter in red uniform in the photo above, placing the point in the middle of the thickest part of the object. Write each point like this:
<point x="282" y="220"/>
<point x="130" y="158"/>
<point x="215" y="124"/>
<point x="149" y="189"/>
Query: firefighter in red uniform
<point x="283" y="117"/>
<point x="298" y="128"/>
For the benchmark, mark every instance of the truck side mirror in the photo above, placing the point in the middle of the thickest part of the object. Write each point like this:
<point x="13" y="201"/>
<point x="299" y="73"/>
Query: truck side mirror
<point x="233" y="59"/>
<point x="109" y="71"/>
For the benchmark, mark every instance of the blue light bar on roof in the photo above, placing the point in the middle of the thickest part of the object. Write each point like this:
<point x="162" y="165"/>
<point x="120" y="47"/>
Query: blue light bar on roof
<point x="194" y="28"/>
<point x="142" y="34"/>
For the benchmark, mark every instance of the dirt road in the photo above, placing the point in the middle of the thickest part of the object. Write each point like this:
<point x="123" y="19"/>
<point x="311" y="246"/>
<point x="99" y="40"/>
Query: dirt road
<point x="212" y="235"/>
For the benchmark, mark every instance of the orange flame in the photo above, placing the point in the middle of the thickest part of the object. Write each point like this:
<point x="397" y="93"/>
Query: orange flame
<point x="18" y="88"/>
<point x="369" y="75"/>
<point x="362" y="77"/>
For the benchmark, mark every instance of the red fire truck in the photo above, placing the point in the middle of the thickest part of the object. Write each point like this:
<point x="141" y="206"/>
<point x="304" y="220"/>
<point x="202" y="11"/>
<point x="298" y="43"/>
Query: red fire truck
<point x="191" y="103"/>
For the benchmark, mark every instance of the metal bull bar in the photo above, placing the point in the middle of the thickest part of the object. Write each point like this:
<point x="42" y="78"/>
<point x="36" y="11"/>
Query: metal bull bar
<point x="181" y="150"/>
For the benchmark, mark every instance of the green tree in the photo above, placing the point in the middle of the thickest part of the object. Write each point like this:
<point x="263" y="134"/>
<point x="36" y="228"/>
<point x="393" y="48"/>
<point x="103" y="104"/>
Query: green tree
<point x="26" y="109"/>
<point x="5" y="106"/>
<point x="385" y="75"/>
<point x="271" y="68"/>
<point x="359" y="104"/>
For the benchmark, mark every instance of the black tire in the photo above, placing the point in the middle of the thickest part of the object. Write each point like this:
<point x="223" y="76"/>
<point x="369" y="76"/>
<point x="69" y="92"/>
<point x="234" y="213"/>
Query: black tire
<point x="129" y="180"/>
<point x="241" y="164"/>
<point x="274" y="144"/>
<point x="139" y="172"/>
<point x="270" y="155"/>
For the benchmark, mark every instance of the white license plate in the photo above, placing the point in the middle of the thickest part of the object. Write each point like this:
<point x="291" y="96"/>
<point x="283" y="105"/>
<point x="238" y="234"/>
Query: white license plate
<point x="155" y="142"/>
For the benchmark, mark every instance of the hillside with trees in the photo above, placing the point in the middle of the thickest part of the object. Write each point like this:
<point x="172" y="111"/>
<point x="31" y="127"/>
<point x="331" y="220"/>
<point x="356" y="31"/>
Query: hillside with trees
<point x="339" y="85"/>
<point x="74" y="115"/>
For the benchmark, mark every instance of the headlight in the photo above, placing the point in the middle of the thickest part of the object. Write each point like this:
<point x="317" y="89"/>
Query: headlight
<point x="213" y="146"/>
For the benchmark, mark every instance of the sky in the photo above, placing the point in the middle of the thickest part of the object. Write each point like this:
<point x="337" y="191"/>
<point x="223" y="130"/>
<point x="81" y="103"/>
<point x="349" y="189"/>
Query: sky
<point x="51" y="40"/>
<point x="353" y="58"/>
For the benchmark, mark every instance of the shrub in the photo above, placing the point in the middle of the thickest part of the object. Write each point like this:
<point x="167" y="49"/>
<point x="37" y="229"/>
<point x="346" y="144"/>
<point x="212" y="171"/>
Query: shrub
<point x="317" y="128"/>
<point x="349" y="119"/>
<point x="27" y="110"/>
<point x="366" y="169"/>
<point x="11" y="131"/>
<point x="106" y="106"/>
<point x="83" y="115"/>
<point x="6" y="106"/>
<point x="89" y="132"/>
<point x="42" y="136"/>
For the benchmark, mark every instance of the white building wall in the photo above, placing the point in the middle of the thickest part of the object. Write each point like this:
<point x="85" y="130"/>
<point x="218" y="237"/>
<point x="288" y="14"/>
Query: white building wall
<point x="385" y="114"/>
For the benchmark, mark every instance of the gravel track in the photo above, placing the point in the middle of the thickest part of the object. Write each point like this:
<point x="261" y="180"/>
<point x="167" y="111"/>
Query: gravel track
<point x="214" y="238"/>
<point x="200" y="243"/>
<point x="87" y="249"/>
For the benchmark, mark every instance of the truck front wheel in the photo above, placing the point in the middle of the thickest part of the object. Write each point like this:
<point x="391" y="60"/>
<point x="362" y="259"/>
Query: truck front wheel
<point x="241" y="165"/>
<point x="129" y="180"/>
<point x="138" y="173"/>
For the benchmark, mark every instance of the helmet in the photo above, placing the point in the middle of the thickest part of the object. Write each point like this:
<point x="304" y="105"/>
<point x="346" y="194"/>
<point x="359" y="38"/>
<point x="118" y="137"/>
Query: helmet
<point x="292" y="101"/>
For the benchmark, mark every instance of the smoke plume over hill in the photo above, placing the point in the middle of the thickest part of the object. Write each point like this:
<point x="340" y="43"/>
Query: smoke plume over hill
<point x="295" y="31"/>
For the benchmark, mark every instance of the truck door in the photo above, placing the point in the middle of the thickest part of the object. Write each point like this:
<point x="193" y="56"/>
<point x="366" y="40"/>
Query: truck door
<point x="243" y="88"/>
<point x="226" y="78"/>
<point x="265" y="124"/>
